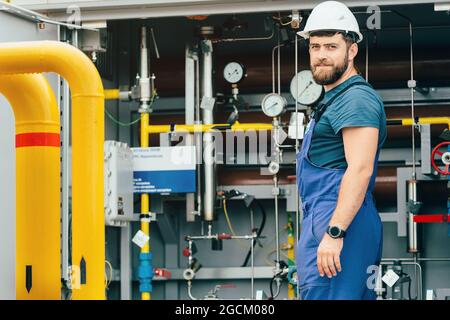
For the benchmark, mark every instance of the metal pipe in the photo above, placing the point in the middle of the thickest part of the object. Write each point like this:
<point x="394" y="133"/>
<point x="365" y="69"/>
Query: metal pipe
<point x="145" y="271"/>
<point x="220" y="236"/>
<point x="253" y="269"/>
<point x="367" y="59"/>
<point x="188" y="128"/>
<point x="418" y="259"/>
<point x="190" y="291"/>
<point x="277" y="47"/>
<point x="37" y="182"/>
<point x="245" y="39"/>
<point x="144" y="79"/>
<point x="297" y="195"/>
<point x="88" y="225"/>
<point x="412" y="226"/>
<point x="277" y="223"/>
<point x="412" y="85"/>
<point x="278" y="63"/>
<point x="209" y="192"/>
<point x="65" y="176"/>
<point x="198" y="138"/>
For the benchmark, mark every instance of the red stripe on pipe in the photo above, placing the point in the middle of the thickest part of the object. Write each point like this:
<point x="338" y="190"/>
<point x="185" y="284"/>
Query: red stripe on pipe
<point x="430" y="218"/>
<point x="37" y="139"/>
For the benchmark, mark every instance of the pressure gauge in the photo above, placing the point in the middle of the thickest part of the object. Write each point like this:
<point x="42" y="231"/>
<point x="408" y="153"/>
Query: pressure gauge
<point x="273" y="105"/>
<point x="309" y="90"/>
<point x="233" y="72"/>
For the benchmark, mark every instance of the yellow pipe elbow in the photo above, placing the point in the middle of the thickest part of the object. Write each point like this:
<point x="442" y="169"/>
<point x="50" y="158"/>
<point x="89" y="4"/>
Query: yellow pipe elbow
<point x="88" y="229"/>
<point x="37" y="185"/>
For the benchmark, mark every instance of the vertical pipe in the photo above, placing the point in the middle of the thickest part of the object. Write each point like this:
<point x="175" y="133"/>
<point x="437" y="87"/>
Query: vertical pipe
<point x="145" y="270"/>
<point x="252" y="255"/>
<point x="297" y="196"/>
<point x="88" y="224"/>
<point x="291" y="255"/>
<point x="277" y="223"/>
<point x="37" y="247"/>
<point x="412" y="226"/>
<point x="145" y="283"/>
<point x="412" y="85"/>
<point x="253" y="269"/>
<point x="198" y="140"/>
<point x="65" y="176"/>
<point x="209" y="193"/>
<point x="367" y="59"/>
<point x="189" y="119"/>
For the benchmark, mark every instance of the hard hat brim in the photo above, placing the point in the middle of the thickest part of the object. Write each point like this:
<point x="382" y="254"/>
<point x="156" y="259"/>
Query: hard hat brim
<point x="305" y="34"/>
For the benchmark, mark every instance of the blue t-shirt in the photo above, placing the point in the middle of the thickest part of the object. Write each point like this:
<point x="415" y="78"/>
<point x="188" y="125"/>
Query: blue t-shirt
<point x="360" y="106"/>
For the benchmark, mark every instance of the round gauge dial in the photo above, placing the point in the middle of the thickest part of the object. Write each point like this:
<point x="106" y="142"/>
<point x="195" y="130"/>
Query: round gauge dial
<point x="309" y="90"/>
<point x="233" y="72"/>
<point x="273" y="105"/>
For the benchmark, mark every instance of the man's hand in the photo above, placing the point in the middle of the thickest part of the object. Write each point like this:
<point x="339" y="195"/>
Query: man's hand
<point x="328" y="261"/>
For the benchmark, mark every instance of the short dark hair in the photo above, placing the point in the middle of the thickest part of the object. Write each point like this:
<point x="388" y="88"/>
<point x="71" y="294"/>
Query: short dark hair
<point x="349" y="37"/>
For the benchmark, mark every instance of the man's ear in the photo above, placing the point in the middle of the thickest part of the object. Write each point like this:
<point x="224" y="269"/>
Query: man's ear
<point x="353" y="51"/>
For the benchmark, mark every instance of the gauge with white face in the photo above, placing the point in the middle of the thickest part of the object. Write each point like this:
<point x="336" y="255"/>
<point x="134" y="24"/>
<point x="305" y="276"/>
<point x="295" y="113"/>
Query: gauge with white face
<point x="273" y="105"/>
<point x="233" y="72"/>
<point x="309" y="90"/>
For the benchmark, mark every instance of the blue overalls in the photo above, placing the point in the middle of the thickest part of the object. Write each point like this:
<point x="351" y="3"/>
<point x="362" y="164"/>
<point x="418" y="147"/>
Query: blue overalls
<point x="319" y="188"/>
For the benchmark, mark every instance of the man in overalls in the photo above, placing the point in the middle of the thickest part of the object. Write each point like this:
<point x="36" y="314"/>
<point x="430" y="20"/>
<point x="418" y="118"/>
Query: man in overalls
<point x="341" y="237"/>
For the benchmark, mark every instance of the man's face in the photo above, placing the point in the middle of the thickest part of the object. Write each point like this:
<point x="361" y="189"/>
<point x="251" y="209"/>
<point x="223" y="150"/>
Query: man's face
<point x="329" y="57"/>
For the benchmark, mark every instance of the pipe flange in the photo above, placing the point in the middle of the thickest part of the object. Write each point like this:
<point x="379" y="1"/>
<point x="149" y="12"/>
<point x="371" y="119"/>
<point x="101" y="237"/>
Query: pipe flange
<point x="188" y="274"/>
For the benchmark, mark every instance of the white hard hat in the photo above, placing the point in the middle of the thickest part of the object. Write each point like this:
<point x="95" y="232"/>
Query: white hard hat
<point x="331" y="15"/>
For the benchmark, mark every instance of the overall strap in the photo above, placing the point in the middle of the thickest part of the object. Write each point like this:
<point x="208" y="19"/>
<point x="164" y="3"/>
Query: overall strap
<point x="323" y="106"/>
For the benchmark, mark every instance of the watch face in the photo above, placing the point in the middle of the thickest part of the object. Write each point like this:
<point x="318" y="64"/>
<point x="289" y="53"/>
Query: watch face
<point x="335" y="231"/>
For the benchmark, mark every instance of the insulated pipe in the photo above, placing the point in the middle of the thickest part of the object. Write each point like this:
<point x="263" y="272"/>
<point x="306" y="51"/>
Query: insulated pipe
<point x="88" y="226"/>
<point x="38" y="274"/>
<point x="209" y="190"/>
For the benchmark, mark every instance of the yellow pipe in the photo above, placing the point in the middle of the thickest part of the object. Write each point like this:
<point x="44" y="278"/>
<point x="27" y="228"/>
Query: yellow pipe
<point x="37" y="185"/>
<point x="88" y="229"/>
<point x="428" y="120"/>
<point x="291" y="255"/>
<point x="145" y="199"/>
<point x="111" y="94"/>
<point x="207" y="127"/>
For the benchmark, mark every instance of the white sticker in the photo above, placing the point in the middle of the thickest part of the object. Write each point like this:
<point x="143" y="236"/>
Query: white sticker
<point x="207" y="103"/>
<point x="140" y="239"/>
<point x="390" y="278"/>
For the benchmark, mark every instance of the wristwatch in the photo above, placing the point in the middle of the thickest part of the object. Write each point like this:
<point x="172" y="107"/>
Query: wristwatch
<point x="335" y="232"/>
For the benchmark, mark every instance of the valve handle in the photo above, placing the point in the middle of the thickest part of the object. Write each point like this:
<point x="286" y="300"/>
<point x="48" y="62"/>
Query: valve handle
<point x="443" y="156"/>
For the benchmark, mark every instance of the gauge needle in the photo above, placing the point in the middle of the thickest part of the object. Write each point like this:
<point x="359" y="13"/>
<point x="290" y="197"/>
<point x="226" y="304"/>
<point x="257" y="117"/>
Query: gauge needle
<point x="306" y="88"/>
<point x="274" y="105"/>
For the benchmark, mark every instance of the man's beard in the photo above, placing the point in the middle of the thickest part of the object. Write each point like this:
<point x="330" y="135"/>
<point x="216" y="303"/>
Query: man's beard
<point x="331" y="76"/>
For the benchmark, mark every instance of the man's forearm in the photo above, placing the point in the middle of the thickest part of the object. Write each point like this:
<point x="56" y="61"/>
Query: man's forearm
<point x="351" y="195"/>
